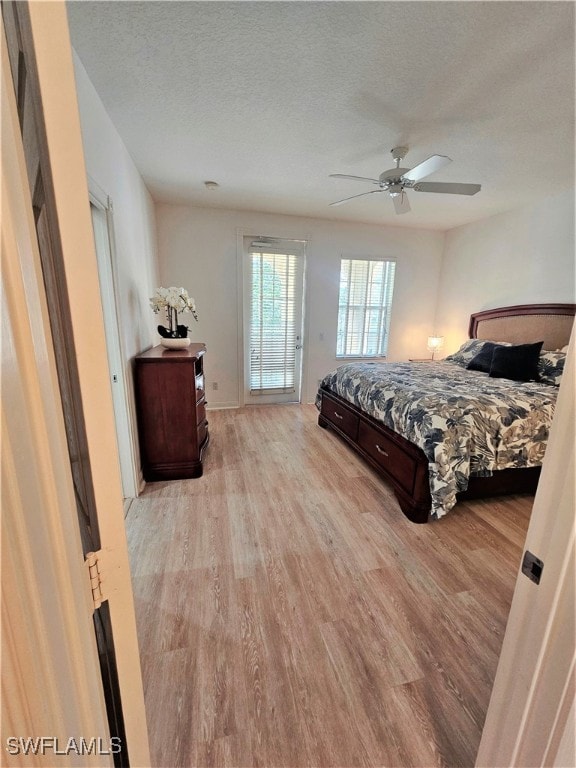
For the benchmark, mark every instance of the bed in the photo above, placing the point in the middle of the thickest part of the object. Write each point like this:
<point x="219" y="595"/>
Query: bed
<point x="439" y="432"/>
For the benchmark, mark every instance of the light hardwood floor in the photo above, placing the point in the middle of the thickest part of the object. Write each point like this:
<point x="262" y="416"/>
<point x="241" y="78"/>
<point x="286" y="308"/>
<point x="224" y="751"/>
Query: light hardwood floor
<point x="289" y="614"/>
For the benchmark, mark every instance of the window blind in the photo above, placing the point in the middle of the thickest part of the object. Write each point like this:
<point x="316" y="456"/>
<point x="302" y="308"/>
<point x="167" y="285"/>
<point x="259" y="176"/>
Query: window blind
<point x="365" y="303"/>
<point x="273" y="329"/>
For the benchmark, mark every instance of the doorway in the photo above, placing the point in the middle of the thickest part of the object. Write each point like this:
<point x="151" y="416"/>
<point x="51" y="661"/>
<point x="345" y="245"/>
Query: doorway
<point x="102" y="223"/>
<point x="273" y="320"/>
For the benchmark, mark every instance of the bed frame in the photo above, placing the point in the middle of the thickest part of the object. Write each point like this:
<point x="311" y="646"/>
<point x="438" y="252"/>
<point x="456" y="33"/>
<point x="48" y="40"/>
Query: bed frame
<point x="403" y="464"/>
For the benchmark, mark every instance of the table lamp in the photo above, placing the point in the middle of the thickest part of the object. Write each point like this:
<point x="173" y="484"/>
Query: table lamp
<point x="435" y="343"/>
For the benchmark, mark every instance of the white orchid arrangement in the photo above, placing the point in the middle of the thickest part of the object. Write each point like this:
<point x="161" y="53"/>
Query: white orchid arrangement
<point x="173" y="300"/>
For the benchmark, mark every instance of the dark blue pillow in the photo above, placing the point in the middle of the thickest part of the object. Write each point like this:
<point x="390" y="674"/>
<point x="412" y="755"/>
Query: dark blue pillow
<point x="519" y="362"/>
<point x="483" y="360"/>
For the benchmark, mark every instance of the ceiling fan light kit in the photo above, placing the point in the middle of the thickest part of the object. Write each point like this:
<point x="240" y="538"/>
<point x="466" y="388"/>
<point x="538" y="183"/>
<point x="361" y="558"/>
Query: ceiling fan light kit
<point x="397" y="180"/>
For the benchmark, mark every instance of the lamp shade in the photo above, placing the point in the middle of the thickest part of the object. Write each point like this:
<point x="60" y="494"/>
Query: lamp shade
<point x="435" y="343"/>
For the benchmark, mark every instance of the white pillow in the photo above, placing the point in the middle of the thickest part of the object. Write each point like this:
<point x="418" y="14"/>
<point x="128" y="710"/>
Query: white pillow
<point x="551" y="367"/>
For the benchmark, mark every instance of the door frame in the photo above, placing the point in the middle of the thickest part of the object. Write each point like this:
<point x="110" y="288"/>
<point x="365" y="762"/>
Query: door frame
<point x="56" y="85"/>
<point x="271" y="398"/>
<point x="50" y="678"/>
<point x="255" y="233"/>
<point x="109" y="296"/>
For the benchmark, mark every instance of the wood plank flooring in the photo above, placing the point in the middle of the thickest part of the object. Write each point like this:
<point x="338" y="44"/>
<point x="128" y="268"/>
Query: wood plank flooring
<point x="290" y="615"/>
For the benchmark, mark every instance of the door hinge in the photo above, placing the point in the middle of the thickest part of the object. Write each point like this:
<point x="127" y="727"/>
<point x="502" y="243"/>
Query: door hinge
<point x="94" y="568"/>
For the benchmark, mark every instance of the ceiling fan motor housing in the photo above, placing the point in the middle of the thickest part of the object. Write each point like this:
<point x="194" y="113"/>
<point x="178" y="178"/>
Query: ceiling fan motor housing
<point x="392" y="176"/>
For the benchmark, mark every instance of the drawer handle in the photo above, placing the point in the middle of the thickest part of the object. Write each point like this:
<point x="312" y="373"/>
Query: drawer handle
<point x="381" y="450"/>
<point x="338" y="415"/>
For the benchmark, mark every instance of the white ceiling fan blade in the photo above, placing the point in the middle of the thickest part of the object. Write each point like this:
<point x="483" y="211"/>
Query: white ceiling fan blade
<point x="429" y="166"/>
<point x="447" y="188"/>
<point x="339" y="202"/>
<point x="354" y="178"/>
<point x="401" y="204"/>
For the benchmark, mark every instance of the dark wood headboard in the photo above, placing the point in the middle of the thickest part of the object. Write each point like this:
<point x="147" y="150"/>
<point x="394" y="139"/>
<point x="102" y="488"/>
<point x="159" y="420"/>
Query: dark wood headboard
<point x="525" y="323"/>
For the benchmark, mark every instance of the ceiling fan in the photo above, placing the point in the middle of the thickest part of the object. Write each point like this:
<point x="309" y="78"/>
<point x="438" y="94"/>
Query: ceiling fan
<point x="397" y="180"/>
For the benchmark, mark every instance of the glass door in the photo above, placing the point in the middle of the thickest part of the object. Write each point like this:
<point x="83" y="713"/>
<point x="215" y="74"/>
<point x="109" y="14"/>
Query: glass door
<point x="273" y="349"/>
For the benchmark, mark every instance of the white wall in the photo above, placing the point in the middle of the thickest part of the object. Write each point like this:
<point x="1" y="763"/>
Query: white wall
<point x="111" y="167"/>
<point x="111" y="171"/>
<point x="198" y="250"/>
<point x="521" y="257"/>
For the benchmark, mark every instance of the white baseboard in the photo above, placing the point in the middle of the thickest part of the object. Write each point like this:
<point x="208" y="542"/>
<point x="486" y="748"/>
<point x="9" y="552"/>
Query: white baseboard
<point x="212" y="406"/>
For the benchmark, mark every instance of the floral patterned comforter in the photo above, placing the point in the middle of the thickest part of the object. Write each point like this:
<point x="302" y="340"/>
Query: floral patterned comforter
<point x="465" y="422"/>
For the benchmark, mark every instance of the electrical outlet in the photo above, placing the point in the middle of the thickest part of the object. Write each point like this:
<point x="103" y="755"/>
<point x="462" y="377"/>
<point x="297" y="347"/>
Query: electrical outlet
<point x="214" y="385"/>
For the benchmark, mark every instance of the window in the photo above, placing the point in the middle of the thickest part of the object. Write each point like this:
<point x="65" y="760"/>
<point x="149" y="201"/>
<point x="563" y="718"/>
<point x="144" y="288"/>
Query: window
<point x="364" y="307"/>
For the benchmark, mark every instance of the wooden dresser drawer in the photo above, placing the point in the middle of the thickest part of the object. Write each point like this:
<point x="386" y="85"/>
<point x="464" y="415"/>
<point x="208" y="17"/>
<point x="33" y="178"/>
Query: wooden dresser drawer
<point x="341" y="417"/>
<point x="387" y="455"/>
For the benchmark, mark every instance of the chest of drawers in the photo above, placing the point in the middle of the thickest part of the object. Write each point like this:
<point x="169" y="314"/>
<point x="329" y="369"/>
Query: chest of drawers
<point x="171" y="409"/>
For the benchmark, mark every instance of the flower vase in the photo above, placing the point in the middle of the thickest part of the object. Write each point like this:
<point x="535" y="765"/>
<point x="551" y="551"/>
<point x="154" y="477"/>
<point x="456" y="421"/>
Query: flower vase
<point x="172" y="343"/>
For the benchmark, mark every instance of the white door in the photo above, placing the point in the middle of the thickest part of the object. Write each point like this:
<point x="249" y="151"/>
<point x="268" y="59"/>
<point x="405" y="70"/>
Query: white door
<point x="101" y="222"/>
<point x="51" y="682"/>
<point x="530" y="720"/>
<point x="71" y="637"/>
<point x="274" y="287"/>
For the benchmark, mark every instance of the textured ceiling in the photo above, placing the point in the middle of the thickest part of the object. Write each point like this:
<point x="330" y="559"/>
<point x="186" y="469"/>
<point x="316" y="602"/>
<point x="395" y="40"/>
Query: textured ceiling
<point x="269" y="98"/>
